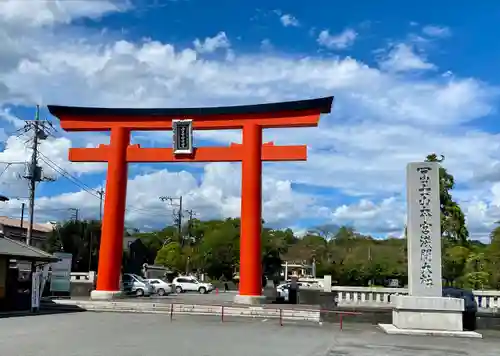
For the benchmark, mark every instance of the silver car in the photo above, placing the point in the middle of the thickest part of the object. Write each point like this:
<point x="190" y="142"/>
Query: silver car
<point x="134" y="284"/>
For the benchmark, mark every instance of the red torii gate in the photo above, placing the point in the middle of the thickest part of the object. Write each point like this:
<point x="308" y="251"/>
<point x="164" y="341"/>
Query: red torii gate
<point x="250" y="118"/>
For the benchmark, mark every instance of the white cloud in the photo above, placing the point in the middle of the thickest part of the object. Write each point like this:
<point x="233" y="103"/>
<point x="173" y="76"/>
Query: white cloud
<point x="381" y="120"/>
<point x="211" y="44"/>
<point x="402" y="57"/>
<point x="217" y="195"/>
<point x="53" y="160"/>
<point x="387" y="217"/>
<point x="42" y="12"/>
<point x="288" y="20"/>
<point x="437" y="31"/>
<point x="5" y="114"/>
<point x="266" y="45"/>
<point x="343" y="40"/>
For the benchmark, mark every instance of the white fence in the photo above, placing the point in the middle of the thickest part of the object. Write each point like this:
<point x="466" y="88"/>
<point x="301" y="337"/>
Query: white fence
<point x="487" y="300"/>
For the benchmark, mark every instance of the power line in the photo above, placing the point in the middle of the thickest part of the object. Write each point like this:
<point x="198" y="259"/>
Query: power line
<point x="99" y="194"/>
<point x="7" y="165"/>
<point x="86" y="188"/>
<point x="65" y="174"/>
<point x="5" y="169"/>
<point x="17" y="198"/>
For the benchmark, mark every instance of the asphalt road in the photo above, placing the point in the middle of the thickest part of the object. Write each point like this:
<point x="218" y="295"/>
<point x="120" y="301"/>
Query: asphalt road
<point x="119" y="334"/>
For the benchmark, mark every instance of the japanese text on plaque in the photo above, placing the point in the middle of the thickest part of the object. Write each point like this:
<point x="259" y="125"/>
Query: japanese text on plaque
<point x="424" y="202"/>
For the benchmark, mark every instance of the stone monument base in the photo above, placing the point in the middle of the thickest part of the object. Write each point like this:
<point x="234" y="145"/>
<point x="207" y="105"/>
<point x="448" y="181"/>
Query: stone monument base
<point x="413" y="315"/>
<point x="250" y="299"/>
<point x="392" y="330"/>
<point x="105" y="295"/>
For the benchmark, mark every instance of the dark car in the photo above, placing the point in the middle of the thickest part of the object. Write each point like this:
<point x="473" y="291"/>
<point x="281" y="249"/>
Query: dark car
<point x="470" y="305"/>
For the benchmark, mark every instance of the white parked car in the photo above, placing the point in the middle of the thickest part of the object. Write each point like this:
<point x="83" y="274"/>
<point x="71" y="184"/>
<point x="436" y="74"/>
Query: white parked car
<point x="160" y="286"/>
<point x="282" y="289"/>
<point x="191" y="284"/>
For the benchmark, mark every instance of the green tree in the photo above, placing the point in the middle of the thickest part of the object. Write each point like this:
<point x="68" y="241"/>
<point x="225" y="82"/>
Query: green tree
<point x="307" y="248"/>
<point x="171" y="256"/>
<point x="155" y="240"/>
<point x="274" y="245"/>
<point x="453" y="226"/>
<point x="354" y="270"/>
<point x="220" y="248"/>
<point x="387" y="260"/>
<point x="81" y="238"/>
<point x="475" y="274"/>
<point x="327" y="231"/>
<point x="493" y="257"/>
<point x="454" y="263"/>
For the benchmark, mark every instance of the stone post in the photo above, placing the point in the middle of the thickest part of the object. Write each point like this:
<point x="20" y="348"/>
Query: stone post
<point x="327" y="283"/>
<point x="425" y="311"/>
<point x="423" y="229"/>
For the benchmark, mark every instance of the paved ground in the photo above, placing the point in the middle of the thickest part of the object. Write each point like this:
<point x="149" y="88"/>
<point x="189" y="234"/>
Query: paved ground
<point x="117" y="334"/>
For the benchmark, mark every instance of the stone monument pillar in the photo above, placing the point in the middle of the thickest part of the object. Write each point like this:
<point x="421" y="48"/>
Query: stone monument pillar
<point x="423" y="230"/>
<point x="424" y="311"/>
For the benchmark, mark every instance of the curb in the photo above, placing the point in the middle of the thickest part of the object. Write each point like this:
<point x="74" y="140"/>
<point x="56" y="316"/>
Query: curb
<point x="42" y="311"/>
<point x="189" y="309"/>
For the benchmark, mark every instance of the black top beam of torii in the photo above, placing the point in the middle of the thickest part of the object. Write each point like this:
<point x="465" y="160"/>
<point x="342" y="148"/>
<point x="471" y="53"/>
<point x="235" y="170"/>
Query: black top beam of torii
<point x="322" y="105"/>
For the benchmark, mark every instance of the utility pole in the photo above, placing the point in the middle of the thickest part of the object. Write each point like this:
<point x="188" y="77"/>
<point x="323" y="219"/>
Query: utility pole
<point x="74" y="214"/>
<point x="178" y="218"/>
<point x="22" y="215"/>
<point x="370" y="262"/>
<point x="90" y="249"/>
<point x="190" y="213"/>
<point x="34" y="174"/>
<point x="101" y="195"/>
<point x="34" y="171"/>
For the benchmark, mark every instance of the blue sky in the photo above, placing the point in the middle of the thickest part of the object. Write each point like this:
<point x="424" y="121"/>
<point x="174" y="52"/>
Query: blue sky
<point x="408" y="81"/>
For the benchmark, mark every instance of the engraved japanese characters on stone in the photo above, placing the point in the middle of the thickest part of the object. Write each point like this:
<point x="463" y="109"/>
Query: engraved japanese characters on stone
<point x="424" y="202"/>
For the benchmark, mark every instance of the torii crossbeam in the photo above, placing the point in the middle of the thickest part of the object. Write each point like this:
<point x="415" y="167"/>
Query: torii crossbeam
<point x="251" y="119"/>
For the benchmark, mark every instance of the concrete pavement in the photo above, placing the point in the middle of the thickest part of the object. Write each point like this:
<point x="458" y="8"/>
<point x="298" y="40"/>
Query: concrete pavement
<point x="111" y="334"/>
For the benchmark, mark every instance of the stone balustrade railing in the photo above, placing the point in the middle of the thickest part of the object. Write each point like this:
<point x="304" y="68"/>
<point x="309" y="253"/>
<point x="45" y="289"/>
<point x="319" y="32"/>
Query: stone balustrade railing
<point x="83" y="277"/>
<point x="487" y="300"/>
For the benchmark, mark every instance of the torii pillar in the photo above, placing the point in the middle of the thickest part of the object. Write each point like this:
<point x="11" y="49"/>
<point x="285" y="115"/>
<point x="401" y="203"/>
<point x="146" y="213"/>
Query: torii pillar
<point x="251" y="217"/>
